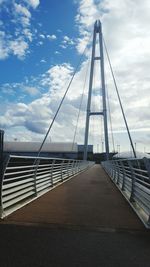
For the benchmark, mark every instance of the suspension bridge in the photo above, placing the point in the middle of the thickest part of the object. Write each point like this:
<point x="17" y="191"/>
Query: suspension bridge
<point x="65" y="212"/>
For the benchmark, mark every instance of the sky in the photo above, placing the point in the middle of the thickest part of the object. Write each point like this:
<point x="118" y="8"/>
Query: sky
<point x="41" y="44"/>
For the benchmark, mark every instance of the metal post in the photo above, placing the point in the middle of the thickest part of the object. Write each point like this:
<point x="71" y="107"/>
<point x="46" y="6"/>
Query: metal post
<point x="62" y="165"/>
<point x="35" y="174"/>
<point x="1" y="153"/>
<point x="89" y="96"/>
<point x="52" y="167"/>
<point x="132" y="180"/>
<point x="1" y="167"/>
<point x="118" y="172"/>
<point x="124" y="174"/>
<point x="147" y="165"/>
<point x="103" y="90"/>
<point x="97" y="30"/>
<point x="68" y="168"/>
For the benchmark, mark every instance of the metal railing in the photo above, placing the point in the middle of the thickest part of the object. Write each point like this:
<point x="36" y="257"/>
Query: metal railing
<point x="24" y="181"/>
<point x="132" y="178"/>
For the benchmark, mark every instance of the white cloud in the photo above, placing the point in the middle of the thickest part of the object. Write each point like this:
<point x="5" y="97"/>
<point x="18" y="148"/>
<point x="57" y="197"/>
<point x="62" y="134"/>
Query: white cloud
<point x="22" y="10"/>
<point x="41" y="111"/>
<point x="56" y="79"/>
<point x="27" y="33"/>
<point x="40" y="43"/>
<point x="31" y="90"/>
<point x="52" y="37"/>
<point x="43" y="61"/>
<point x="18" y="47"/>
<point x="58" y="30"/>
<point x="33" y="3"/>
<point x="67" y="41"/>
<point x="63" y="46"/>
<point x="16" y="42"/>
<point x="57" y="53"/>
<point x="42" y="36"/>
<point x="22" y="14"/>
<point x="3" y="47"/>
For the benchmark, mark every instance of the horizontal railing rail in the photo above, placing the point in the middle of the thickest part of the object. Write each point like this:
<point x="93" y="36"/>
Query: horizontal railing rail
<point x="26" y="178"/>
<point x="132" y="177"/>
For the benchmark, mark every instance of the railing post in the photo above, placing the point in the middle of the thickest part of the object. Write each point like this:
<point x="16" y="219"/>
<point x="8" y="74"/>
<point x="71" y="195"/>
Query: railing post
<point x="1" y="167"/>
<point x="68" y="166"/>
<point x="113" y="170"/>
<point x="62" y="165"/>
<point x="72" y="166"/>
<point x="35" y="173"/>
<point x="132" y="181"/>
<point x="109" y="165"/>
<point x="76" y="168"/>
<point x="52" y="167"/>
<point x="118" y="173"/>
<point x="79" y="166"/>
<point x="5" y="164"/>
<point x="147" y="165"/>
<point x="124" y="173"/>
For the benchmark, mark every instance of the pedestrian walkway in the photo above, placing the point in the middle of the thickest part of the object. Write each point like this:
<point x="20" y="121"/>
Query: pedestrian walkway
<point x="90" y="199"/>
<point x="82" y="223"/>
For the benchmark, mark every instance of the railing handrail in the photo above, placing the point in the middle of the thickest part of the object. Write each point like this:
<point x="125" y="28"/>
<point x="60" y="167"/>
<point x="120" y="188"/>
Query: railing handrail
<point x="135" y="186"/>
<point x="131" y="159"/>
<point x="23" y="182"/>
<point x="34" y="157"/>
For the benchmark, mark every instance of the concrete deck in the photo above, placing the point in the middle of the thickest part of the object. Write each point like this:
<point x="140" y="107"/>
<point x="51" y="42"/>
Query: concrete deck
<point x="82" y="223"/>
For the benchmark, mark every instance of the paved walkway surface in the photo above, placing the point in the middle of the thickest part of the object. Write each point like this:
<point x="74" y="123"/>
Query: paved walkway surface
<point x="83" y="222"/>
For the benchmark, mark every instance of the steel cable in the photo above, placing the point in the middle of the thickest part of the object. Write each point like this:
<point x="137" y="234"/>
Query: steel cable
<point x="75" y="71"/>
<point x="120" y="102"/>
<point x="79" y="111"/>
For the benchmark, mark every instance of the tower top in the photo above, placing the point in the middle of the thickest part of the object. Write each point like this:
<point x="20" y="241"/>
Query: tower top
<point x="97" y="26"/>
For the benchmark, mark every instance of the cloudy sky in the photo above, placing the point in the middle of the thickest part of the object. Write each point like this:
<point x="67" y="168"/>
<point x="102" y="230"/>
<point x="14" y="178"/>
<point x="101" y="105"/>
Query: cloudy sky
<point x="41" y="43"/>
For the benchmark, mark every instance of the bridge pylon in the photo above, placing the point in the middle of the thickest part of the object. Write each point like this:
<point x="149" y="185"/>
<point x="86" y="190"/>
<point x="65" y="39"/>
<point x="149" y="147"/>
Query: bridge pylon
<point x="97" y="34"/>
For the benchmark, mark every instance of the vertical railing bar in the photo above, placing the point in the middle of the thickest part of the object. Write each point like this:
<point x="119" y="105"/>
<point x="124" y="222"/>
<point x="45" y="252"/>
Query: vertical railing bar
<point x="53" y="163"/>
<point x="124" y="173"/>
<point x="147" y="166"/>
<point x="35" y="173"/>
<point x="5" y="164"/>
<point x="132" y="181"/>
<point x="72" y="166"/>
<point x="68" y="165"/>
<point x="118" y="173"/>
<point x="62" y="164"/>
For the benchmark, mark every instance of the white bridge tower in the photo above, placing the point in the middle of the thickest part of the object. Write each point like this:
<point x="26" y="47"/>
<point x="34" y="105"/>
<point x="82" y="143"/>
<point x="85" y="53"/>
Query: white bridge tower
<point x="97" y="34"/>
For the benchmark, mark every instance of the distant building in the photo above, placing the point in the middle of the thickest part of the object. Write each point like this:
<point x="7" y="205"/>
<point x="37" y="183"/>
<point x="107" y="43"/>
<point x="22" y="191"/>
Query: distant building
<point x="81" y="152"/>
<point x="129" y="155"/>
<point x="59" y="149"/>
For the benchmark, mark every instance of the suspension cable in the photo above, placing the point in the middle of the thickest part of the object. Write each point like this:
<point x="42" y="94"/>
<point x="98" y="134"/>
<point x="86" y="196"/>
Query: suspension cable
<point x="75" y="71"/>
<point x="81" y="101"/>
<point x="122" y="110"/>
